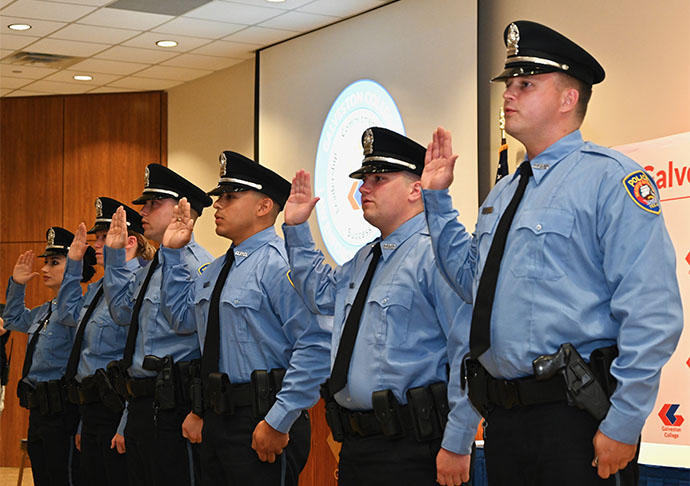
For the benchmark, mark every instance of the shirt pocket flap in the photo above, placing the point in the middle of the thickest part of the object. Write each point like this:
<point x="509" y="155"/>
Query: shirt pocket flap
<point x="548" y="220"/>
<point x="243" y="298"/>
<point x="393" y="295"/>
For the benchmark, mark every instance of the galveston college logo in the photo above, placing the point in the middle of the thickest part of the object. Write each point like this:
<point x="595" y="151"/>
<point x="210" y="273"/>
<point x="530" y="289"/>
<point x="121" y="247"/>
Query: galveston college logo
<point x="361" y="105"/>
<point x="671" y="420"/>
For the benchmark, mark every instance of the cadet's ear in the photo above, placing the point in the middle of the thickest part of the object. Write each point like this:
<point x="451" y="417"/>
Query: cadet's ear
<point x="415" y="191"/>
<point x="569" y="99"/>
<point x="265" y="206"/>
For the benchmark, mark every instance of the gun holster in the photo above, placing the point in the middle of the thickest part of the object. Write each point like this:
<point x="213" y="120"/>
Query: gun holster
<point x="118" y="378"/>
<point x="164" y="391"/>
<point x="474" y="376"/>
<point x="332" y="413"/>
<point x="110" y="398"/>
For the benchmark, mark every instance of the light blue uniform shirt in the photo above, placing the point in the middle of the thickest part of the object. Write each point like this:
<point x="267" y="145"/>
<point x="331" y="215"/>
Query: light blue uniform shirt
<point x="104" y="341"/>
<point x="263" y="322"/>
<point x="155" y="335"/>
<point x="55" y="340"/>
<point x="412" y="328"/>
<point x="583" y="263"/>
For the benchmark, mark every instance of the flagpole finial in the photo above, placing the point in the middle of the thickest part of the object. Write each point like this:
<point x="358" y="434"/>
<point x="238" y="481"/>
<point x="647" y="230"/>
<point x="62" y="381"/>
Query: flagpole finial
<point x="502" y="123"/>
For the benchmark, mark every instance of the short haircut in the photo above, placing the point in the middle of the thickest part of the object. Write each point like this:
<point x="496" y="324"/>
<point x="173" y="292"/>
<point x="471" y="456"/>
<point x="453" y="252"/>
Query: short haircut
<point x="584" y="89"/>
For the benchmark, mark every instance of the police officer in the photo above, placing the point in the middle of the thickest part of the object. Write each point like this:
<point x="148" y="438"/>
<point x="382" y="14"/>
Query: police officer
<point x="386" y="396"/>
<point x="259" y="340"/>
<point x="52" y="420"/>
<point x="565" y="251"/>
<point x="98" y="342"/>
<point x="156" y="451"/>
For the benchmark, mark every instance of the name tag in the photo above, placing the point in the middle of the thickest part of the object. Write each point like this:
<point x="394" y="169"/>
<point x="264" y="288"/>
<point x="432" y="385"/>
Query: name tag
<point x="488" y="210"/>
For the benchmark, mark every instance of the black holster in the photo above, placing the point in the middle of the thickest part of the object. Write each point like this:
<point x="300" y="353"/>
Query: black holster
<point x="265" y="387"/>
<point x="219" y="393"/>
<point x="118" y="378"/>
<point x="476" y="378"/>
<point x="164" y="391"/>
<point x="106" y="390"/>
<point x="332" y="413"/>
<point x="387" y="412"/>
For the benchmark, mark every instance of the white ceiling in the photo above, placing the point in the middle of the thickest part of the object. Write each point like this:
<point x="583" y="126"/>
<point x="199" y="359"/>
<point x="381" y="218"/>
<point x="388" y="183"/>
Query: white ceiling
<point x="119" y="46"/>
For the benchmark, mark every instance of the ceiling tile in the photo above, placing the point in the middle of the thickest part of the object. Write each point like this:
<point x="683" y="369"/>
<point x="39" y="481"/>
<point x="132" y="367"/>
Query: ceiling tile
<point x="108" y="67"/>
<point x="338" y="8"/>
<point x="56" y="87"/>
<point x="124" y="19"/>
<point x="148" y="40"/>
<point x="260" y="35"/>
<point x="4" y="3"/>
<point x="67" y="77"/>
<point x="13" y="83"/>
<point x="233" y="12"/>
<point x="134" y="54"/>
<point x="228" y="49"/>
<point x="95" y="3"/>
<point x="5" y="52"/>
<point x="110" y="89"/>
<point x="39" y="28"/>
<point x="88" y="33"/>
<point x="14" y="42"/>
<point x="286" y="5"/>
<point x="37" y="9"/>
<point x="173" y="73"/>
<point x="20" y="92"/>
<point x="67" y="47"/>
<point x="198" y="28"/>
<point x="195" y="61"/>
<point x="144" y="83"/>
<point x="31" y="72"/>
<point x="4" y="91"/>
<point x="298" y="21"/>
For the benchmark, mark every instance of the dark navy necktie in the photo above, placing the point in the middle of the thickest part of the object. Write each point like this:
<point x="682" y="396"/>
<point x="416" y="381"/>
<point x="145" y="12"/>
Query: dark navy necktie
<point x="211" y="353"/>
<point x="73" y="361"/>
<point x="34" y="341"/>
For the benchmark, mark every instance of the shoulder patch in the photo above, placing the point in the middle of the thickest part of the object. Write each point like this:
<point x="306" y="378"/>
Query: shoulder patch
<point x="289" y="279"/>
<point x="642" y="191"/>
<point x="202" y="268"/>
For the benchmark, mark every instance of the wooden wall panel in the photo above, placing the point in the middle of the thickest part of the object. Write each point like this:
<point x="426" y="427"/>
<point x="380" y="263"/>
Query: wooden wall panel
<point x="30" y="166"/>
<point x="322" y="465"/>
<point x="14" y="421"/>
<point x="109" y="140"/>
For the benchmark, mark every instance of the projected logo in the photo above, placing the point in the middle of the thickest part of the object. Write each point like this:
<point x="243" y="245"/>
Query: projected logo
<point x="363" y="104"/>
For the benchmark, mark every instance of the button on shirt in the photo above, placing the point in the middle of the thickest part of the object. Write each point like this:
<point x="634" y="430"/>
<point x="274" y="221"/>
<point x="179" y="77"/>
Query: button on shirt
<point x="155" y="335"/>
<point x="104" y="340"/>
<point x="54" y="343"/>
<point x="263" y="322"/>
<point x="583" y="264"/>
<point x="412" y="328"/>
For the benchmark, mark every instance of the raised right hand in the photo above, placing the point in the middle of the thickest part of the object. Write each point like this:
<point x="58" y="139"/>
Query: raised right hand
<point x="300" y="204"/>
<point x="24" y="268"/>
<point x="117" y="234"/>
<point x="79" y="245"/>
<point x="179" y="231"/>
<point x="439" y="161"/>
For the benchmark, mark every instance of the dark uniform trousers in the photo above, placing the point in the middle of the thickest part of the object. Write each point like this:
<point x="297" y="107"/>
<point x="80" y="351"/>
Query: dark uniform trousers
<point x="101" y="464"/>
<point x="157" y="454"/>
<point x="54" y="458"/>
<point x="377" y="461"/>
<point x="227" y="458"/>
<point x="545" y="445"/>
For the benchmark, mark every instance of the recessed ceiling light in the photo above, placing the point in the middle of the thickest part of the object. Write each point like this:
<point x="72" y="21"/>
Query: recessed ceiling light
<point x="166" y="43"/>
<point x="19" y="26"/>
<point x="83" y="77"/>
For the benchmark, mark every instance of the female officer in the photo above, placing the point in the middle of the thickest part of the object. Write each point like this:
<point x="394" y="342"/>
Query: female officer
<point x="99" y="341"/>
<point x="52" y="421"/>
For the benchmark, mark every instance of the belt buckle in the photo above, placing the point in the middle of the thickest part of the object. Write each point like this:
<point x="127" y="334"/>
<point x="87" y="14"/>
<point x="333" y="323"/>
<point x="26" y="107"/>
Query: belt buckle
<point x="509" y="394"/>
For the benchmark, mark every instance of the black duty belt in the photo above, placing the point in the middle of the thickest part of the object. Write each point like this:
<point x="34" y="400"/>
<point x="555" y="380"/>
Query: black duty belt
<point x="365" y="424"/>
<point x="525" y="391"/>
<point x="224" y="402"/>
<point x="84" y="393"/>
<point x="140" y="387"/>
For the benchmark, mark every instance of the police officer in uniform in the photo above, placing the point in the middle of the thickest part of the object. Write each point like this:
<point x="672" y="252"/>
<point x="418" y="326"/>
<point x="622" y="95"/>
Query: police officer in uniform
<point x="157" y="389"/>
<point x="264" y="353"/>
<point x="99" y="341"/>
<point x="389" y="395"/>
<point x="573" y="277"/>
<point x="52" y="420"/>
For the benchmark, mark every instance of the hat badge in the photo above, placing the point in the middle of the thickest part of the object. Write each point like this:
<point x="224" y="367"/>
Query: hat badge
<point x="512" y="40"/>
<point x="368" y="141"/>
<point x="51" y="237"/>
<point x="99" y="208"/>
<point x="223" y="164"/>
<point x="146" y="177"/>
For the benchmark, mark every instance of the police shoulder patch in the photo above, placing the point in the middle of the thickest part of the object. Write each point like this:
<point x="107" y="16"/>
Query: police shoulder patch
<point x="202" y="268"/>
<point x="289" y="279"/>
<point x="642" y="191"/>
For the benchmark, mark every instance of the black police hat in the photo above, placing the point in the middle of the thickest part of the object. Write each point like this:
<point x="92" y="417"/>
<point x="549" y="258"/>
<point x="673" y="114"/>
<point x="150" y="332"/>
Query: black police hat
<point x="388" y="151"/>
<point x="58" y="241"/>
<point x="106" y="207"/>
<point x="238" y="173"/>
<point x="163" y="183"/>
<point x="536" y="49"/>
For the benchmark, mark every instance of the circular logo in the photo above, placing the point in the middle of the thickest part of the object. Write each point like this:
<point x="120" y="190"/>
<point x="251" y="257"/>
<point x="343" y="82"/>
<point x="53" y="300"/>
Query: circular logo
<point x="363" y="104"/>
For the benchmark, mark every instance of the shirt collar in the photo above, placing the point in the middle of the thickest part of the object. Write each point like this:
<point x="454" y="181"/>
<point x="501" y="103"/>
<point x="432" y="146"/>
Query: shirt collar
<point x="251" y="244"/>
<point x="410" y="227"/>
<point x="556" y="152"/>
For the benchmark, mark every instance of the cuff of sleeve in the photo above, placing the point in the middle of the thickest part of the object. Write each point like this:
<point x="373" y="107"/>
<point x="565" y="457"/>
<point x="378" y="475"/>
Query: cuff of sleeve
<point x="437" y="202"/>
<point x="74" y="267"/>
<point x="115" y="257"/>
<point x="280" y="418"/>
<point x="458" y="440"/>
<point x="15" y="290"/>
<point x="298" y="235"/>
<point x="171" y="256"/>
<point x="621" y="427"/>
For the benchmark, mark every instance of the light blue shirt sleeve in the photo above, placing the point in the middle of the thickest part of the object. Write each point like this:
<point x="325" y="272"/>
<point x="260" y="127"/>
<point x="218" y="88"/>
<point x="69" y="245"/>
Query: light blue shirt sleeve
<point x="70" y="299"/>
